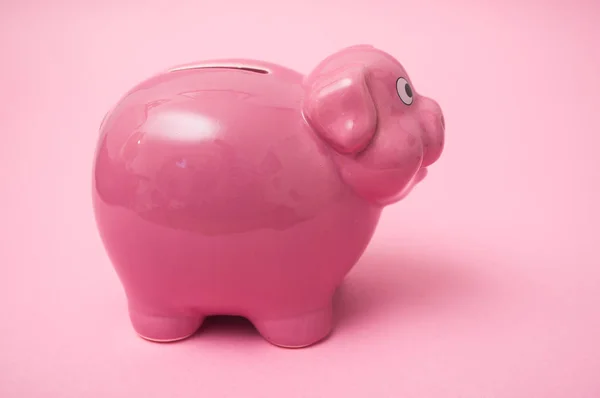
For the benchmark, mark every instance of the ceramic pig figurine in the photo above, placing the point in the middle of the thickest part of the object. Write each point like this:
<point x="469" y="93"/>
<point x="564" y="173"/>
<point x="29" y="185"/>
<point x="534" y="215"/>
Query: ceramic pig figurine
<point x="239" y="187"/>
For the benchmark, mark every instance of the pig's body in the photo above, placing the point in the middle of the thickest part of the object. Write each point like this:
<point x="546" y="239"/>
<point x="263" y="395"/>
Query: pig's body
<point x="214" y="196"/>
<point x="244" y="188"/>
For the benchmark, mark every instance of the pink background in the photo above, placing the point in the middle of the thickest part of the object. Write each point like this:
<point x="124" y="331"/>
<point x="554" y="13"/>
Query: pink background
<point x="484" y="283"/>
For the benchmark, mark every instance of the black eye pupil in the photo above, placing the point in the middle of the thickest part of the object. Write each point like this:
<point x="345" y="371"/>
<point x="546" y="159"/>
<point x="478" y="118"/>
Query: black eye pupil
<point x="408" y="90"/>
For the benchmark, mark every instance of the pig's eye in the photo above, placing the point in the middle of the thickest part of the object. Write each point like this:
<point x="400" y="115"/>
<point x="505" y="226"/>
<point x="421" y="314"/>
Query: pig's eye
<point x="404" y="91"/>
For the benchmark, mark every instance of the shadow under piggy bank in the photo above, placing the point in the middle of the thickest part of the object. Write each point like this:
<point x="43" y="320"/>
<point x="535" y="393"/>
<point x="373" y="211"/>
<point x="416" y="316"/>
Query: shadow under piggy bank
<point x="386" y="285"/>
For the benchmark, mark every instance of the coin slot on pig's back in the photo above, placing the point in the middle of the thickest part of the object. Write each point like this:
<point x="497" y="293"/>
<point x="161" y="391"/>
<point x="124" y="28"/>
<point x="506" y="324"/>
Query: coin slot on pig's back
<point x="233" y="66"/>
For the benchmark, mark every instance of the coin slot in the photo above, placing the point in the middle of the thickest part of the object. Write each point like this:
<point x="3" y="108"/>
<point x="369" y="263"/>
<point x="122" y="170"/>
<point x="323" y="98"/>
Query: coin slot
<point x="234" y="67"/>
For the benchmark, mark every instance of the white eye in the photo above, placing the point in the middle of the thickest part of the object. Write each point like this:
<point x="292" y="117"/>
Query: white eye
<point x="404" y="91"/>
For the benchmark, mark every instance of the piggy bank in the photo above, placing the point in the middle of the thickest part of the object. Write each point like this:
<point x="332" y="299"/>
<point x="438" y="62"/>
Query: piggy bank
<point x="240" y="187"/>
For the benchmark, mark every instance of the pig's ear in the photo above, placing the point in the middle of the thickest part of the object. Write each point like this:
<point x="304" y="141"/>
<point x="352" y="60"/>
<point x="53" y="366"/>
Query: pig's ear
<point x="339" y="107"/>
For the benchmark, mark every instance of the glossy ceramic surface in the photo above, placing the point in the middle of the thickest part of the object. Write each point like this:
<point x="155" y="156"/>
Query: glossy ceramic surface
<point x="239" y="187"/>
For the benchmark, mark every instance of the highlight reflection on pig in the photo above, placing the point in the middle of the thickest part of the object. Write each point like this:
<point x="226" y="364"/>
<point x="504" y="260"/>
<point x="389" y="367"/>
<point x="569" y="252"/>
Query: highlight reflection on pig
<point x="239" y="187"/>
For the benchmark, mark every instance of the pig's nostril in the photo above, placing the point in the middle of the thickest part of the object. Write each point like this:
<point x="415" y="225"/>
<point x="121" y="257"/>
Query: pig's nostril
<point x="443" y="121"/>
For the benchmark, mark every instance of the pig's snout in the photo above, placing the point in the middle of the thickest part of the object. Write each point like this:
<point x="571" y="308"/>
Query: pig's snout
<point x="434" y="126"/>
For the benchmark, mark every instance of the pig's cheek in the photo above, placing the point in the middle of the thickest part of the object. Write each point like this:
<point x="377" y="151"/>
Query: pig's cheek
<point x="373" y="183"/>
<point x="394" y="151"/>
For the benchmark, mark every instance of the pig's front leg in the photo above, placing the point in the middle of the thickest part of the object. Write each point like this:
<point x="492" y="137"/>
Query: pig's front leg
<point x="297" y="328"/>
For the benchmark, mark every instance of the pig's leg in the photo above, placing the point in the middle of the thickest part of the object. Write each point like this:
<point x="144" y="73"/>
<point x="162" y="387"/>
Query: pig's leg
<point x="163" y="327"/>
<point x="297" y="329"/>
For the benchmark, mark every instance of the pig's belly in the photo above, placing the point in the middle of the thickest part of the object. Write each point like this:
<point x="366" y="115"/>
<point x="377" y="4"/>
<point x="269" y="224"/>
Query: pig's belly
<point x="214" y="229"/>
<point x="226" y="269"/>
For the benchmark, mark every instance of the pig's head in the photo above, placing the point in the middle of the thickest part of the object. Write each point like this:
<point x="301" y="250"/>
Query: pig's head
<point x="383" y="133"/>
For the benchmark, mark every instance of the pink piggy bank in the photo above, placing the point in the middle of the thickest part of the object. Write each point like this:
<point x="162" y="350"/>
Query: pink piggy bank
<point x="239" y="187"/>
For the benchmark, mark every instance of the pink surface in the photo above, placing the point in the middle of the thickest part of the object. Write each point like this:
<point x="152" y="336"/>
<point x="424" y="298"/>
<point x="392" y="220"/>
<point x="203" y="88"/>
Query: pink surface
<point x="483" y="283"/>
